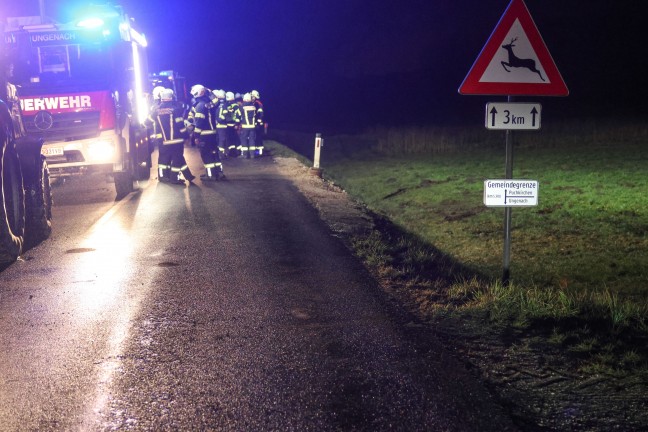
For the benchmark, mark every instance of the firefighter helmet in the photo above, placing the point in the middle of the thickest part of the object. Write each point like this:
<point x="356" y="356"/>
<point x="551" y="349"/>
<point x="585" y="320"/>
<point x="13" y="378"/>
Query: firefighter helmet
<point x="198" y="90"/>
<point x="229" y="96"/>
<point x="220" y="94"/>
<point x="247" y="97"/>
<point x="157" y="92"/>
<point x="166" y="94"/>
<point x="255" y="94"/>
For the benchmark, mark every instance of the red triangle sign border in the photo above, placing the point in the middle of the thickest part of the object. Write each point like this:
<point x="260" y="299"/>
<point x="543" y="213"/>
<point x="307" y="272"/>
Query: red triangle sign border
<point x="555" y="86"/>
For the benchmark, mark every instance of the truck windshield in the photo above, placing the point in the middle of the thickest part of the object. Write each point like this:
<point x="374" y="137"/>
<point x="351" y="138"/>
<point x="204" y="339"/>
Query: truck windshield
<point x="56" y="67"/>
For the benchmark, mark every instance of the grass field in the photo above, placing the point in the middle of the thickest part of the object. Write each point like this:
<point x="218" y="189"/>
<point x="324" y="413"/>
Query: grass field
<point x="579" y="257"/>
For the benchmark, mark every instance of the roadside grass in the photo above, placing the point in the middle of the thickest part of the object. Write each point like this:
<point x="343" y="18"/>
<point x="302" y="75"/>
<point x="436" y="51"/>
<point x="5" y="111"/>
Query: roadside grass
<point x="579" y="260"/>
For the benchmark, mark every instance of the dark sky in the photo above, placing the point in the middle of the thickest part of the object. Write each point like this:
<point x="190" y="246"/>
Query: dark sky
<point x="354" y="63"/>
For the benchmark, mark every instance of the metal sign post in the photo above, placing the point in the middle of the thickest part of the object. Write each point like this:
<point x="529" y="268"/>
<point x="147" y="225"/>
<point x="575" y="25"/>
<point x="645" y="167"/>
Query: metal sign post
<point x="508" y="211"/>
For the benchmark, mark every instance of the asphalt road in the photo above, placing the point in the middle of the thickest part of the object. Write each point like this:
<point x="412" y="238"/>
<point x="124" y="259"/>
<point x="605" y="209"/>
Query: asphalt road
<point x="226" y="306"/>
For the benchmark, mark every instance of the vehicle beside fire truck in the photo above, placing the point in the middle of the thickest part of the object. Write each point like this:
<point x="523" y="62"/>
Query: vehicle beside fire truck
<point x="25" y="194"/>
<point x="83" y="89"/>
<point x="172" y="80"/>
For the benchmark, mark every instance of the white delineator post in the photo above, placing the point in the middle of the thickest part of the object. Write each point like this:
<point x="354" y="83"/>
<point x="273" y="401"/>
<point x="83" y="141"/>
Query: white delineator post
<point x="316" y="170"/>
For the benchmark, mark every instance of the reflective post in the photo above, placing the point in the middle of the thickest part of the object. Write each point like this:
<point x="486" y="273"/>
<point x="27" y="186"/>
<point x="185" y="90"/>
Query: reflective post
<point x="316" y="170"/>
<point x="318" y="149"/>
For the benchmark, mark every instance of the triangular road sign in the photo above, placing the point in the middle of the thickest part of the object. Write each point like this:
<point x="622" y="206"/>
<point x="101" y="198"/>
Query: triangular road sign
<point x="515" y="60"/>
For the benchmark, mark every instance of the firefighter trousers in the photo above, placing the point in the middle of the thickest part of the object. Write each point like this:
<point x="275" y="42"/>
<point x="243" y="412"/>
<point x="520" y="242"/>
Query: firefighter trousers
<point x="248" y="142"/>
<point x="208" y="145"/>
<point x="171" y="161"/>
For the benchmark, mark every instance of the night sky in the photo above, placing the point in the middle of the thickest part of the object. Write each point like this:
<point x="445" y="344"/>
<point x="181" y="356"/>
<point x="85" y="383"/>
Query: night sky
<point x="345" y="65"/>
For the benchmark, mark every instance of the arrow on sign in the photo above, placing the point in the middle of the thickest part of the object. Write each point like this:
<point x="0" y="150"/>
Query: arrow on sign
<point x="493" y="113"/>
<point x="534" y="113"/>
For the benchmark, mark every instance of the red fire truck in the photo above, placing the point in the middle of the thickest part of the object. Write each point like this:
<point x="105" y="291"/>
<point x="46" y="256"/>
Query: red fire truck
<point x="83" y="89"/>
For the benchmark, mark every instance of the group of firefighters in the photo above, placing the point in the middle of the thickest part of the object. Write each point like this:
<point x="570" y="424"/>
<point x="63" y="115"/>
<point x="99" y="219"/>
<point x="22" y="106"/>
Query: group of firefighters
<point x="221" y="124"/>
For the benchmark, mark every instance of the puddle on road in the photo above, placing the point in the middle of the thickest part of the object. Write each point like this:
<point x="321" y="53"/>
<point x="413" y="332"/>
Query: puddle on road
<point x="80" y="250"/>
<point x="168" y="264"/>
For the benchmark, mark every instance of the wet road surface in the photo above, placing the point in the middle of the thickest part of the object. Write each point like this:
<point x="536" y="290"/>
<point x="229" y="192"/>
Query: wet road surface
<point x="224" y="306"/>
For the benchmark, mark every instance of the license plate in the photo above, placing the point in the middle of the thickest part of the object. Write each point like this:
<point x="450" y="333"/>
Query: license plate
<point x="52" y="151"/>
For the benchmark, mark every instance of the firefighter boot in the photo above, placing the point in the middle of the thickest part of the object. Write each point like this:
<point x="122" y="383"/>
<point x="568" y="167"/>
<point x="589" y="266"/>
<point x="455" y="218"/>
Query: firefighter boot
<point x="177" y="179"/>
<point x="210" y="175"/>
<point x="163" y="173"/>
<point x="186" y="173"/>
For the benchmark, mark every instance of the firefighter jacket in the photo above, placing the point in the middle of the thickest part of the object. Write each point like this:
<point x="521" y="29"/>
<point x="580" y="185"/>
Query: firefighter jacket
<point x="167" y="122"/>
<point x="203" y="116"/>
<point x="222" y="114"/>
<point x="259" y="112"/>
<point x="237" y="114"/>
<point x="248" y="118"/>
<point x="229" y="113"/>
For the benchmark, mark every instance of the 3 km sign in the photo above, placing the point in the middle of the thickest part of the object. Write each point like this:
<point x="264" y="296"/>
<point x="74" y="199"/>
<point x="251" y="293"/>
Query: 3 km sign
<point x="513" y="115"/>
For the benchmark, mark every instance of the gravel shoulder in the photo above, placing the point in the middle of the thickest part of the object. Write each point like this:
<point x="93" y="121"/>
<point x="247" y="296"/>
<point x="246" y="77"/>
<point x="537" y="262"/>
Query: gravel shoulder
<point x="540" y="386"/>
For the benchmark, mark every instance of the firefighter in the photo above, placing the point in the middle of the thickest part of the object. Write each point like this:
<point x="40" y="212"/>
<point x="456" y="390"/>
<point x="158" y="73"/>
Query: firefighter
<point x="248" y="125"/>
<point x="168" y="123"/>
<point x="218" y="98"/>
<point x="155" y="103"/>
<point x="202" y="118"/>
<point x="229" y="117"/>
<point x="260" y="124"/>
<point x="234" y="121"/>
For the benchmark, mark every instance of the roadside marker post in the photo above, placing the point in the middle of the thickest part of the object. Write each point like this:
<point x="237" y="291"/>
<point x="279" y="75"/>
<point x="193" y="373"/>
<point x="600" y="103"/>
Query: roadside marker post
<point x="514" y="62"/>
<point x="319" y="142"/>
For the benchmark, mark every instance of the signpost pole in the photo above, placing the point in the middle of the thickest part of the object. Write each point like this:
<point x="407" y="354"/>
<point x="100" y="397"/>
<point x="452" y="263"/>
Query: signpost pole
<point x="508" y="210"/>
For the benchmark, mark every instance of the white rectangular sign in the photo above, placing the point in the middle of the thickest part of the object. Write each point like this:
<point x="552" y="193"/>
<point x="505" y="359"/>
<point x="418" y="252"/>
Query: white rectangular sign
<point x="513" y="115"/>
<point x="510" y="193"/>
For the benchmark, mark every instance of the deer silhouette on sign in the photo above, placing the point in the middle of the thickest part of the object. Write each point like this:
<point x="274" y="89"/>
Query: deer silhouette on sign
<point x="516" y="62"/>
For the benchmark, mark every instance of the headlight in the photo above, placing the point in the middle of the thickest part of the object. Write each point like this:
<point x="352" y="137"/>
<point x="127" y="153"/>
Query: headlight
<point x="101" y="151"/>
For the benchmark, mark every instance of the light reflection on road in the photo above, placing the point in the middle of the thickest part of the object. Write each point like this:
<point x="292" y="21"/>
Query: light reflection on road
<point x="109" y="270"/>
<point x="106" y="267"/>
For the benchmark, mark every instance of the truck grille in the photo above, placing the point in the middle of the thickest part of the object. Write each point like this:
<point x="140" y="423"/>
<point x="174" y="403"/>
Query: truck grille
<point x="67" y="126"/>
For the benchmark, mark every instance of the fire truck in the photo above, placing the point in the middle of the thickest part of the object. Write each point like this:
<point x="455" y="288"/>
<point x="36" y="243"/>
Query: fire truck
<point x="83" y="89"/>
<point x="25" y="194"/>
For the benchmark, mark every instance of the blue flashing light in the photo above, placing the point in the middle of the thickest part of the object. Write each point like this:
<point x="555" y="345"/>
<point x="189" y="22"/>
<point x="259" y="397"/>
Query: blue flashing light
<point x="90" y="23"/>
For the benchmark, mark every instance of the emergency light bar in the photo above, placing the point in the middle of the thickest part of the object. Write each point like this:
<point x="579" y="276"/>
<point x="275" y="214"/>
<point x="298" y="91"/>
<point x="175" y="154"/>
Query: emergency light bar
<point x="90" y="23"/>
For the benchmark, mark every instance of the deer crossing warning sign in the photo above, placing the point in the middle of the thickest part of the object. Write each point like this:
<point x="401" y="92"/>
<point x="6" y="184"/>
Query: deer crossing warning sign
<point x="515" y="60"/>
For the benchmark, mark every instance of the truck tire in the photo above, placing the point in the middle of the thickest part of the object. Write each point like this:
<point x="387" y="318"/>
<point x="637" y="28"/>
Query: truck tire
<point x="141" y="155"/>
<point x="123" y="183"/>
<point x="38" y="207"/>
<point x="143" y="170"/>
<point x="12" y="202"/>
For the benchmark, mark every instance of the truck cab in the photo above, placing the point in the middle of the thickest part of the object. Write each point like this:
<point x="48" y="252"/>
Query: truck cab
<point x="83" y="90"/>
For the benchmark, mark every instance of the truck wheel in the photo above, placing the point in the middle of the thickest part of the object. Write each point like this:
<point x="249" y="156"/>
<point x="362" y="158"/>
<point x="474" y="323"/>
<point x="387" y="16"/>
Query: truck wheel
<point x="143" y="170"/>
<point x="123" y="183"/>
<point x="12" y="203"/>
<point x="38" y="208"/>
<point x="142" y="156"/>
